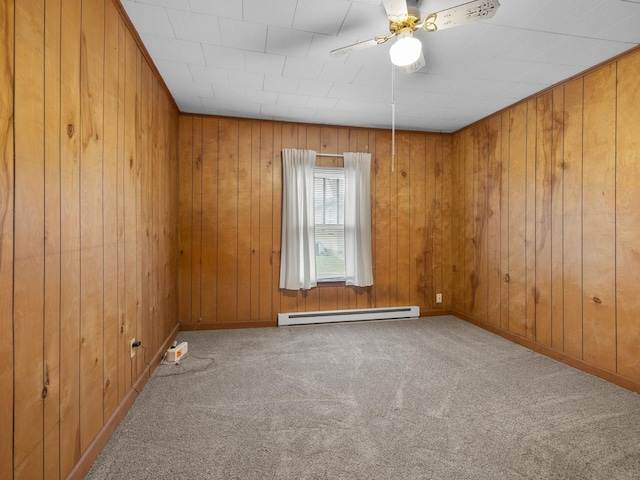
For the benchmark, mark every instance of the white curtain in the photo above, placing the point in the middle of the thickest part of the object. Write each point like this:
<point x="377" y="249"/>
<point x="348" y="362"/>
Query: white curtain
<point x="357" y="219"/>
<point x="298" y="259"/>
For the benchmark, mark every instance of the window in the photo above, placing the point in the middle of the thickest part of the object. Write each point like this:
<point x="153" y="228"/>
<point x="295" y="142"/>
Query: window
<point x="329" y="223"/>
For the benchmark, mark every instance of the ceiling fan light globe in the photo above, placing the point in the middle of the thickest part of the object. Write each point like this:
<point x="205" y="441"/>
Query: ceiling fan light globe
<point x="405" y="51"/>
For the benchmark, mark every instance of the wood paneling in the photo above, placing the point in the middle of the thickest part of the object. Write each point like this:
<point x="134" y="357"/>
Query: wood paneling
<point x="28" y="297"/>
<point x="598" y="218"/>
<point x="568" y="205"/>
<point x="572" y="219"/>
<point x="237" y="209"/>
<point x="628" y="218"/>
<point x="6" y="233"/>
<point x="52" y="268"/>
<point x="84" y="275"/>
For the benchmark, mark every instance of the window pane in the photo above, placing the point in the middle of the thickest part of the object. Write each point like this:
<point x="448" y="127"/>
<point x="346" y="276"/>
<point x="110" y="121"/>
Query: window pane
<point x="329" y="231"/>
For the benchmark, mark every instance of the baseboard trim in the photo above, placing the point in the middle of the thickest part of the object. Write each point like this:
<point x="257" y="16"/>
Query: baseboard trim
<point x="189" y="327"/>
<point x="580" y="364"/>
<point x="100" y="441"/>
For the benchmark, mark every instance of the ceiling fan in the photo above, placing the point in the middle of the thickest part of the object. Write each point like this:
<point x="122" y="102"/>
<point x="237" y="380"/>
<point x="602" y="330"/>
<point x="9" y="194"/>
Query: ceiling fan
<point x="404" y="20"/>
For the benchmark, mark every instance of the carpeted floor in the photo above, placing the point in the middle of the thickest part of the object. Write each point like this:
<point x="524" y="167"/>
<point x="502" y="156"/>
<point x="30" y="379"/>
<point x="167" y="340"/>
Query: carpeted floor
<point x="433" y="398"/>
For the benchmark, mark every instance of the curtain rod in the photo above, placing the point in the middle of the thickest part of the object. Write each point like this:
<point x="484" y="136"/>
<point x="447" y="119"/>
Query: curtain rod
<point x="329" y="155"/>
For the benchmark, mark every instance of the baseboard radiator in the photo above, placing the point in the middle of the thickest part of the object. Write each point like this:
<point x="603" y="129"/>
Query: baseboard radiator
<point x="350" y="315"/>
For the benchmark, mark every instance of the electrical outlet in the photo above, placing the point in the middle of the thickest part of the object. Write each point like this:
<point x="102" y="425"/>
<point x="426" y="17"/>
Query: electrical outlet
<point x="438" y="298"/>
<point x="132" y="347"/>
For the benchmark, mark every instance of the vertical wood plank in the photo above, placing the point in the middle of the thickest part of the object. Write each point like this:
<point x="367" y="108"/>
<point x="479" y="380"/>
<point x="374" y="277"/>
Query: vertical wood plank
<point x="110" y="210"/>
<point x="209" y="219"/>
<point x="469" y="225"/>
<point x="627" y="217"/>
<point x="504" y="222"/>
<point x="482" y="139"/>
<point x="228" y="221"/>
<point x="494" y="217"/>
<point x="382" y="210"/>
<point x="138" y="169"/>
<point x="244" y="213"/>
<point x="29" y="233"/>
<point x="6" y="232"/>
<point x="456" y="229"/>
<point x="447" y="222"/>
<point x="265" y="212"/>
<point x="543" y="200"/>
<point x="124" y="374"/>
<point x="186" y="216"/>
<point x="572" y="218"/>
<point x="70" y="237"/>
<point x="52" y="212"/>
<point x="517" y="220"/>
<point x="436" y="261"/>
<point x="530" y="219"/>
<point x="402" y="253"/>
<point x="131" y="160"/>
<point x="598" y="217"/>
<point x="557" y="187"/>
<point x="421" y="204"/>
<point x="196" y="222"/>
<point x="91" y="227"/>
<point x="256" y="160"/>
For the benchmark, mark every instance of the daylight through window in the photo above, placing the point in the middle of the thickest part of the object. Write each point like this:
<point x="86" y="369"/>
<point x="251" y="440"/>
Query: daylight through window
<point x="329" y="223"/>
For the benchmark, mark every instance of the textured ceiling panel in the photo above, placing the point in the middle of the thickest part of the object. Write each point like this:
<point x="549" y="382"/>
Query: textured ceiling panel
<point x="270" y="58"/>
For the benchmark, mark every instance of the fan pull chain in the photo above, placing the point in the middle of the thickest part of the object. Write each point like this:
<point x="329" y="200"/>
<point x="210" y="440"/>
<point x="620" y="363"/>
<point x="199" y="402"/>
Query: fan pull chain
<point x="393" y="118"/>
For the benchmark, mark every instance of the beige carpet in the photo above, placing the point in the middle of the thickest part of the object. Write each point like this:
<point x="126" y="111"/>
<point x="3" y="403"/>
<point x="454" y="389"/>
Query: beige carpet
<point x="434" y="398"/>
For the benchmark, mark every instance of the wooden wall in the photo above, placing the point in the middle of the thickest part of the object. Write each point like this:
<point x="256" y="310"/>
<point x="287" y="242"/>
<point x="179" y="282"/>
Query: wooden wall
<point x="545" y="221"/>
<point x="230" y="203"/>
<point x="93" y="253"/>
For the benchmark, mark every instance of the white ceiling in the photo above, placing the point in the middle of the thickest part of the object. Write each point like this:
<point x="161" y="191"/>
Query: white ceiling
<point x="269" y="59"/>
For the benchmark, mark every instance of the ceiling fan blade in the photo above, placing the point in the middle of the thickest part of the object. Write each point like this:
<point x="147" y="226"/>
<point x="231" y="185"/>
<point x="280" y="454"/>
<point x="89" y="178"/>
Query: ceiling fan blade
<point x="396" y="9"/>
<point x="417" y="65"/>
<point x="361" y="45"/>
<point x="461" y="14"/>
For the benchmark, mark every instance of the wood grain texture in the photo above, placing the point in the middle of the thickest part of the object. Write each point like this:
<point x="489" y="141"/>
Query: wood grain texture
<point x="241" y="202"/>
<point x="531" y="294"/>
<point x="52" y="204"/>
<point x="516" y="219"/>
<point x="447" y="223"/>
<point x="543" y="200"/>
<point x="572" y="218"/>
<point x="456" y="260"/>
<point x="568" y="206"/>
<point x="70" y="240"/>
<point x="6" y="232"/>
<point x="598" y="218"/>
<point x="185" y="217"/>
<point x="210" y="220"/>
<point x="110" y="210"/>
<point x="91" y="221"/>
<point x="81" y="275"/>
<point x="494" y="244"/>
<point x="627" y="218"/>
<point x="557" y="230"/>
<point x="470" y="278"/>
<point x="29" y="233"/>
